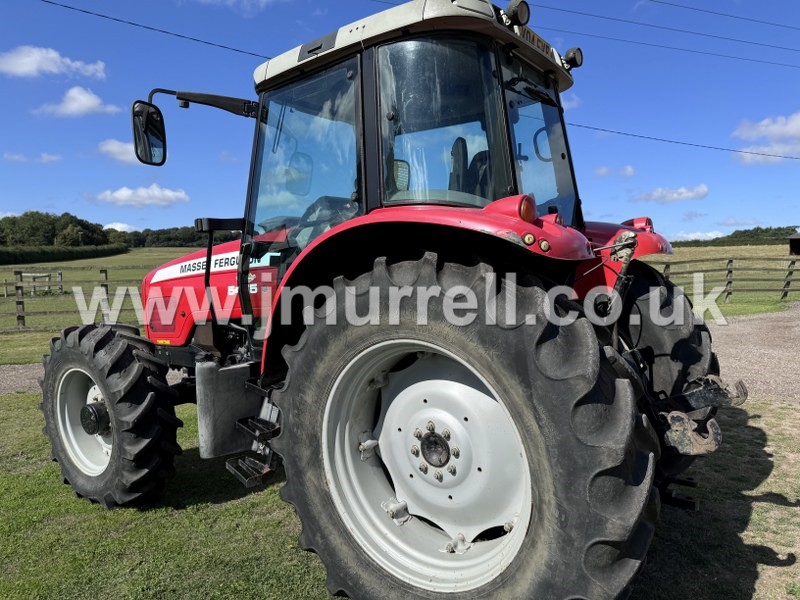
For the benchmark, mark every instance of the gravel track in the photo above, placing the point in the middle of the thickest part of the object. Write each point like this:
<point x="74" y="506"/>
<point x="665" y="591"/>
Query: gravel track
<point x="762" y="350"/>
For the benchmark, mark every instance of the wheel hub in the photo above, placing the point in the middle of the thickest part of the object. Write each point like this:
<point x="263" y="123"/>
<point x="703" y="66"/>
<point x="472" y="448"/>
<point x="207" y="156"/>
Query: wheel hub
<point x="95" y="419"/>
<point x="435" y="450"/>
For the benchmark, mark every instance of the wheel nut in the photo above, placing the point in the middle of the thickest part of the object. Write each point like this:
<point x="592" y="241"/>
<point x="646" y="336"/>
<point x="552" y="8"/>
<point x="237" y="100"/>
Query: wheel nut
<point x="418" y="433"/>
<point x="438" y="476"/>
<point x="455" y="452"/>
<point x="450" y="549"/>
<point x="415" y="450"/>
<point x="430" y="426"/>
<point x="446" y="434"/>
<point x="451" y="469"/>
<point x="423" y="467"/>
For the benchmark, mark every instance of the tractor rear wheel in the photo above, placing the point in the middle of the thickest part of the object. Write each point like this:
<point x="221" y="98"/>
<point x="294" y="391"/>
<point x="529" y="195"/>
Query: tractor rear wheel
<point x="431" y="460"/>
<point x="109" y="414"/>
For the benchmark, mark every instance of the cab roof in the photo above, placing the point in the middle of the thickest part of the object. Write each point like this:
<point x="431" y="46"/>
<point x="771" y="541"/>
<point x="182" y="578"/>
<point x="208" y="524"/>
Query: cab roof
<point x="417" y="16"/>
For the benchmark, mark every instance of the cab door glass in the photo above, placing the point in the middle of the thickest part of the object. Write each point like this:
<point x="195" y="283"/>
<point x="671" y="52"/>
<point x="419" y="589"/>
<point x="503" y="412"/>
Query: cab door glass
<point x="307" y="169"/>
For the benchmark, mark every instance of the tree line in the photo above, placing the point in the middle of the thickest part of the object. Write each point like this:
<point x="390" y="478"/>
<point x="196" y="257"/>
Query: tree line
<point x="34" y="228"/>
<point x="757" y="236"/>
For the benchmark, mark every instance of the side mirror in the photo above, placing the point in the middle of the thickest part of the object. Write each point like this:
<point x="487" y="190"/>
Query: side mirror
<point x="299" y="172"/>
<point x="149" y="133"/>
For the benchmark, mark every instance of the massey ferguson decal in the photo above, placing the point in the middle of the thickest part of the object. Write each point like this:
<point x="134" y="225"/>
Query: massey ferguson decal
<point x="228" y="261"/>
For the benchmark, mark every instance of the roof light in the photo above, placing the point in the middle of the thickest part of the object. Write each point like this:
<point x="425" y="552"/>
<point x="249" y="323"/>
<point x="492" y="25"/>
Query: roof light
<point x="518" y="12"/>
<point x="573" y="58"/>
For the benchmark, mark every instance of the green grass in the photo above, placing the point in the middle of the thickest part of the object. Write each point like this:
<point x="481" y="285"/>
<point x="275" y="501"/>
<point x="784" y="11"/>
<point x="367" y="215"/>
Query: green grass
<point x="209" y="537"/>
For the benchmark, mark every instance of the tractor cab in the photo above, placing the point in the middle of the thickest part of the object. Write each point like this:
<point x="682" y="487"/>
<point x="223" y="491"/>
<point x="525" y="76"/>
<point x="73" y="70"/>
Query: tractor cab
<point x="430" y="104"/>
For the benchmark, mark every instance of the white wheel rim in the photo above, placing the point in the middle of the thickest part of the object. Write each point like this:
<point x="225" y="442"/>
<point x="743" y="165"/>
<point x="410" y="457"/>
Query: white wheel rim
<point x="459" y="524"/>
<point x="91" y="454"/>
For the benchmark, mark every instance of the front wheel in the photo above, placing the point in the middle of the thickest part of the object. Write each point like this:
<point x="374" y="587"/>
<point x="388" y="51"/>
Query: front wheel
<point x="429" y="460"/>
<point x="109" y="414"/>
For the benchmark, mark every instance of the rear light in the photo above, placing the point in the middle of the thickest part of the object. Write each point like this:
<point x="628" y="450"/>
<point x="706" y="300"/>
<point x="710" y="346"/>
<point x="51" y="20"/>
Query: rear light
<point x="527" y="209"/>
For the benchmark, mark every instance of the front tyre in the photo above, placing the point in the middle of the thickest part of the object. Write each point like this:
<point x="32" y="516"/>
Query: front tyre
<point x="109" y="414"/>
<point x="433" y="460"/>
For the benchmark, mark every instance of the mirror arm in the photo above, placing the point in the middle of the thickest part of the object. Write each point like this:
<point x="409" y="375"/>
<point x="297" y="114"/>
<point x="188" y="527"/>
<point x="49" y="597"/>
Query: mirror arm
<point x="238" y="106"/>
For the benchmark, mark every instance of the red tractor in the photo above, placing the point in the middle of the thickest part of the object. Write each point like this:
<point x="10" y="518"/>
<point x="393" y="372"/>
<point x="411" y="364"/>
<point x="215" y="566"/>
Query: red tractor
<point x="474" y="391"/>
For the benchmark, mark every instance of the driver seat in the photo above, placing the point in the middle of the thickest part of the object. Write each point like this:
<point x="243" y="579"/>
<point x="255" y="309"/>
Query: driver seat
<point x="479" y="175"/>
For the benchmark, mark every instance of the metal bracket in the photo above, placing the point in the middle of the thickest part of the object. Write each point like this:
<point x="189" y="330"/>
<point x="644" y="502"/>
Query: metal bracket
<point x="710" y="390"/>
<point x="458" y="545"/>
<point x="682" y="435"/>
<point x="397" y="511"/>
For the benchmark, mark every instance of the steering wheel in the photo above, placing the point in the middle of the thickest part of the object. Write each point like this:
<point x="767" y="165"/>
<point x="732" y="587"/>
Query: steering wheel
<point x="322" y="214"/>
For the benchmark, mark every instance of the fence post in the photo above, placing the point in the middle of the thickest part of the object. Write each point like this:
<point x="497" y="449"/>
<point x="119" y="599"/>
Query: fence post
<point x="20" y="314"/>
<point x="19" y="289"/>
<point x="60" y="281"/>
<point x="5" y="288"/>
<point x="729" y="280"/>
<point x="18" y="276"/>
<point x="666" y="271"/>
<point x="787" y="281"/>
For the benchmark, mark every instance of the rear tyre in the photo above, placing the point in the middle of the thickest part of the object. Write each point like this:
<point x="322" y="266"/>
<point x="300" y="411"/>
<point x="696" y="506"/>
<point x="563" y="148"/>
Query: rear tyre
<point x="433" y="460"/>
<point x="109" y="414"/>
<point x="673" y="355"/>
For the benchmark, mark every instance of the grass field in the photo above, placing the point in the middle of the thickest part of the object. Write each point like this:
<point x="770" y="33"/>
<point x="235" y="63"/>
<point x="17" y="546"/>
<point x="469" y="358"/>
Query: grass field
<point x="129" y="269"/>
<point x="209" y="537"/>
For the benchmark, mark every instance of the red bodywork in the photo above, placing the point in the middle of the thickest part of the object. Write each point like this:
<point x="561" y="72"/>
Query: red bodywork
<point x="181" y="281"/>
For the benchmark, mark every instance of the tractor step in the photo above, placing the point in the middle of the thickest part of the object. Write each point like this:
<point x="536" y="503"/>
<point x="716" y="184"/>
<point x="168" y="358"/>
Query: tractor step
<point x="249" y="471"/>
<point x="261" y="430"/>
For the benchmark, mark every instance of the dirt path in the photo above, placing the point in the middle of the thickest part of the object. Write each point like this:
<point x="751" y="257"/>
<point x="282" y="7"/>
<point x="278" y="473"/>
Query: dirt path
<point x="762" y="350"/>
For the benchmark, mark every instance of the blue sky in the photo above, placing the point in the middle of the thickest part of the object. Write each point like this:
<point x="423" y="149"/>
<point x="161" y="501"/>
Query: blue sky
<point x="67" y="81"/>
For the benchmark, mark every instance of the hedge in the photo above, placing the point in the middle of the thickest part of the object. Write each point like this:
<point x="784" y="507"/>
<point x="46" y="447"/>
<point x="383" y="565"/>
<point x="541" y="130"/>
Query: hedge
<point x="20" y="255"/>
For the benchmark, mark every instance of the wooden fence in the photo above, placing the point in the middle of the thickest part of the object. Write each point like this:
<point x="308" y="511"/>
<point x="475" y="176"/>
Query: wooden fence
<point x="740" y="275"/>
<point x="48" y="286"/>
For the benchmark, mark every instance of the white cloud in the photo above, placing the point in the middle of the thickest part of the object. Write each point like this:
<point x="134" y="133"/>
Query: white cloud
<point x="119" y="151"/>
<point x="776" y="149"/>
<point x="14" y="156"/>
<point x="78" y="101"/>
<point x="121" y="227"/>
<point x="604" y="171"/>
<point x="246" y="7"/>
<point x="573" y="101"/>
<point x="773" y="128"/>
<point x="778" y="135"/>
<point x="695" y="235"/>
<point x="693" y="215"/>
<point x="664" y="195"/>
<point x="32" y="61"/>
<point x="154" y="195"/>
<point x="45" y="158"/>
<point x="227" y="156"/>
<point x="736" y="222"/>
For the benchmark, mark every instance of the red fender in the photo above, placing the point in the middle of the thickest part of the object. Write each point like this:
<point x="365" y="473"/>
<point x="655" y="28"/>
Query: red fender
<point x="544" y="236"/>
